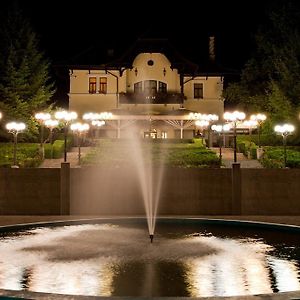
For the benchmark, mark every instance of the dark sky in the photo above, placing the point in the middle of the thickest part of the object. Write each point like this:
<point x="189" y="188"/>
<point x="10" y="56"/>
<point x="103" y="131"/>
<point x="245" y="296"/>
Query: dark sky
<point x="66" y="28"/>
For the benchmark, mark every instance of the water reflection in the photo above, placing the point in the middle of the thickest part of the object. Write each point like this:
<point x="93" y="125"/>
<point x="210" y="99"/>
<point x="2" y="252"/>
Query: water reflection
<point x="109" y="260"/>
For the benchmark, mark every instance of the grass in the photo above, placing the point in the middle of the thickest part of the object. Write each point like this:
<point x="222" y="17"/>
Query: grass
<point x="122" y="152"/>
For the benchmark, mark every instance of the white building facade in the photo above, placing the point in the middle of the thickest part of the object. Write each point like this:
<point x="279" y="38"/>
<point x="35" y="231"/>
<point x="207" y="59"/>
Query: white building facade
<point x="145" y="85"/>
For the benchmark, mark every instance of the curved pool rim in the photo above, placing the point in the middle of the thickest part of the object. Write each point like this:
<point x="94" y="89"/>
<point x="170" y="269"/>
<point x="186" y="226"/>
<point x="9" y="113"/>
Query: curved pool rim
<point x="161" y="219"/>
<point x="294" y="295"/>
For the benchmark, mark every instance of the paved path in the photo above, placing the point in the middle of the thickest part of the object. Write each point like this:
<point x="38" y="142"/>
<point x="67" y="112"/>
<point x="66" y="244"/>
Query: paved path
<point x="72" y="158"/>
<point x="227" y="158"/>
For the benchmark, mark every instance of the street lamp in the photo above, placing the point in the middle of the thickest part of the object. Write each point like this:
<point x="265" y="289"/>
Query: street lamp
<point x="234" y="117"/>
<point x="210" y="118"/>
<point x="41" y="118"/>
<point x="79" y="129"/>
<point x="51" y="124"/>
<point x="202" y="124"/>
<point x="65" y="117"/>
<point x="284" y="130"/>
<point x="220" y="129"/>
<point x="259" y="118"/>
<point x="15" y="128"/>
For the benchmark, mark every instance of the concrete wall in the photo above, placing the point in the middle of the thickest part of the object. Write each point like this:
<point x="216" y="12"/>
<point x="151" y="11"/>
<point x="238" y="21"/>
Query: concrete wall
<point x="116" y="191"/>
<point x="29" y="191"/>
<point x="270" y="191"/>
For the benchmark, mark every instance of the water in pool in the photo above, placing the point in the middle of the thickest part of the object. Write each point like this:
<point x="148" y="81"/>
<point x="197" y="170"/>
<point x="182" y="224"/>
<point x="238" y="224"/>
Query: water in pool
<point x="117" y="259"/>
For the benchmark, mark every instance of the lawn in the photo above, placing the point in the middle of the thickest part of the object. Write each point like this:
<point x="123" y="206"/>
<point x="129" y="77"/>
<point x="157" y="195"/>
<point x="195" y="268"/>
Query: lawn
<point x="189" y="153"/>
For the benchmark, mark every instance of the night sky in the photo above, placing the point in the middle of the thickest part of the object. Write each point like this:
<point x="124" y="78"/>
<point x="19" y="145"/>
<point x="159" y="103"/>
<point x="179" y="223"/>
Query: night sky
<point x="66" y="28"/>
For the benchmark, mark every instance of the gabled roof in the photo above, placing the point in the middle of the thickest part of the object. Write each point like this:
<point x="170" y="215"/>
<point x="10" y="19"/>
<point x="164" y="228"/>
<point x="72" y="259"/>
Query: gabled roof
<point x="90" y="59"/>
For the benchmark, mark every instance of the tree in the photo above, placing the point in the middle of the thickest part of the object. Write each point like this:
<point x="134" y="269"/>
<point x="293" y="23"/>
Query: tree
<point x="270" y="80"/>
<point x="25" y="85"/>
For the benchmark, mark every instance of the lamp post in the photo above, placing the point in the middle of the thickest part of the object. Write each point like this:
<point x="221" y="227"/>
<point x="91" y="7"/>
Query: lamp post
<point x="284" y="130"/>
<point x="234" y="117"/>
<point x="14" y="128"/>
<point x="220" y="129"/>
<point x="65" y="117"/>
<point x="210" y="118"/>
<point x="41" y="118"/>
<point x="259" y="118"/>
<point x="51" y="124"/>
<point x="202" y="124"/>
<point x="79" y="129"/>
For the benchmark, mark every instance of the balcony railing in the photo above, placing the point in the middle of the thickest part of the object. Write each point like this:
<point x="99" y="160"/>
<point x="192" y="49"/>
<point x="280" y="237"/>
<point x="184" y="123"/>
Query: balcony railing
<point x="158" y="98"/>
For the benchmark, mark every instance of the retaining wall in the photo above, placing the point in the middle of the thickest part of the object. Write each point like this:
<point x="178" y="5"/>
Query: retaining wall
<point x="96" y="191"/>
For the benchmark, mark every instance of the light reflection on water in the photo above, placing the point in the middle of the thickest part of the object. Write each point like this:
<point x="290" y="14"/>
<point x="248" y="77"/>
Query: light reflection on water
<point x="105" y="260"/>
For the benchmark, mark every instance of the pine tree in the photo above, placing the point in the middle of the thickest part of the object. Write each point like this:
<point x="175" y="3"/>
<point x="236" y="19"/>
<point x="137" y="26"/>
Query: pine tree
<point x="25" y="85"/>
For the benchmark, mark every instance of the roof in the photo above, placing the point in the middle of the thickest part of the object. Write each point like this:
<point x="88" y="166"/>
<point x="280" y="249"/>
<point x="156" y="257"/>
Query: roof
<point x="96" y="58"/>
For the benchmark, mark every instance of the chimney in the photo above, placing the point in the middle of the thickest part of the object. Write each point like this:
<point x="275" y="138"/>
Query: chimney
<point x="211" y="49"/>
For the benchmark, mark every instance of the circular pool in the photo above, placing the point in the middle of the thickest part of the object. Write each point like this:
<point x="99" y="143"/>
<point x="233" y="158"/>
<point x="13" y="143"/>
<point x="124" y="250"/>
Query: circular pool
<point x="114" y="257"/>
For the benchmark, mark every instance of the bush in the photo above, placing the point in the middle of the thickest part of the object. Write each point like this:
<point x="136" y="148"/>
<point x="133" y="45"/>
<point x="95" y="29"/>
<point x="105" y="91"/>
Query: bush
<point x="27" y="155"/>
<point x="274" y="158"/>
<point x="57" y="149"/>
<point x="265" y="139"/>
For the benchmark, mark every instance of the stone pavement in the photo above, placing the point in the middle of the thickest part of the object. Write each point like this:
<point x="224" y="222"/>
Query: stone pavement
<point x="227" y="158"/>
<point x="72" y="158"/>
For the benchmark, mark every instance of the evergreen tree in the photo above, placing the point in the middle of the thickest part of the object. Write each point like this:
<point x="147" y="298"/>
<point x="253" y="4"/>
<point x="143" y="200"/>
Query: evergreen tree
<point x="25" y="85"/>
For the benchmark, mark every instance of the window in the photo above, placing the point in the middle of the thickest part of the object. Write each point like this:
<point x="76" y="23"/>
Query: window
<point x="92" y="85"/>
<point x="103" y="85"/>
<point x="164" y="135"/>
<point x="150" y="87"/>
<point x="162" y="87"/>
<point x="198" y="90"/>
<point x="138" y="87"/>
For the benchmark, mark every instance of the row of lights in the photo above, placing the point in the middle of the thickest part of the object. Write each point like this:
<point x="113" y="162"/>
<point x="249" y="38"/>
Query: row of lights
<point x="202" y="120"/>
<point x="65" y="118"/>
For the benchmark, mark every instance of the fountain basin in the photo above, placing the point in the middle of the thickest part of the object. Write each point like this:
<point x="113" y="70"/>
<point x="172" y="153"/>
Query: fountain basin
<point x="113" y="257"/>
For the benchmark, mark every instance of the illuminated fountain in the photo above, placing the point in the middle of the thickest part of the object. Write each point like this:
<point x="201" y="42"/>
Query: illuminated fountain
<point x="142" y="159"/>
<point x="108" y="257"/>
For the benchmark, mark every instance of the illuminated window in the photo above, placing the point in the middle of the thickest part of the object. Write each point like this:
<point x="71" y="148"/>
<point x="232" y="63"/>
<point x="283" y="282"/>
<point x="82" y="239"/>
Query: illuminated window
<point x="162" y="87"/>
<point x="138" y="87"/>
<point x="164" y="135"/>
<point x="92" y="85"/>
<point x="198" y="90"/>
<point x="150" y="87"/>
<point x="103" y="85"/>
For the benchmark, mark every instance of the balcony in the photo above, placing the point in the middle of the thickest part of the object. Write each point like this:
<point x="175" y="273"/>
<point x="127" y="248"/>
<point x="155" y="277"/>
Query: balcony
<point x="157" y="98"/>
